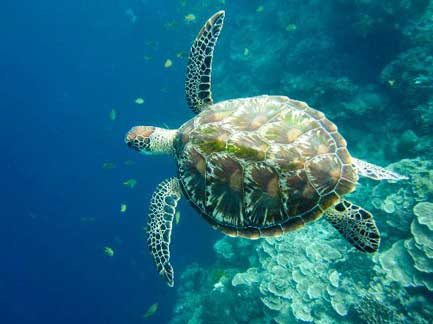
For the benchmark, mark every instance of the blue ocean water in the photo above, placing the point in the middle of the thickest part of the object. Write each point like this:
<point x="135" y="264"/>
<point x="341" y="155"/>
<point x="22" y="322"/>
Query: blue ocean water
<point x="64" y="66"/>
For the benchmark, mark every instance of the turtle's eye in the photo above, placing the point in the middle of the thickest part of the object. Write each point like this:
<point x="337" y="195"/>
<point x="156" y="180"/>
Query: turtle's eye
<point x="138" y="138"/>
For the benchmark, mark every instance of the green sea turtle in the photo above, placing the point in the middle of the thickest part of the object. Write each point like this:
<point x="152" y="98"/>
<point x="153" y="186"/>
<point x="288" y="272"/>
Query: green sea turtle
<point x="253" y="167"/>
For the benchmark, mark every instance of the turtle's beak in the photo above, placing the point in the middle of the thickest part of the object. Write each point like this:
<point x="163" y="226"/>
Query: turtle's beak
<point x="138" y="138"/>
<point x="130" y="136"/>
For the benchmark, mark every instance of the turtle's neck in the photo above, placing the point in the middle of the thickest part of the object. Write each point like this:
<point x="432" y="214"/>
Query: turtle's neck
<point x="162" y="141"/>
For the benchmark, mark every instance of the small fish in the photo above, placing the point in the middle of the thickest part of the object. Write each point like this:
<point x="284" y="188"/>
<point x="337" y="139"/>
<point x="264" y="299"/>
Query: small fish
<point x="113" y="114"/>
<point x="190" y="18"/>
<point x="147" y="58"/>
<point x="139" y="101"/>
<point x="391" y="83"/>
<point x="131" y="183"/>
<point x="181" y="55"/>
<point x="108" y="251"/>
<point x="168" y="63"/>
<point x="177" y="217"/>
<point x="151" y="310"/>
<point x="123" y="208"/>
<point x="246" y="51"/>
<point x="291" y="27"/>
<point x="108" y="165"/>
<point x="260" y="9"/>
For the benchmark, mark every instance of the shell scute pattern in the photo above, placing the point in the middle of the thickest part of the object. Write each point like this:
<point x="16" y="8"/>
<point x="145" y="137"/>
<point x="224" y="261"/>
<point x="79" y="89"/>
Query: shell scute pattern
<point x="323" y="172"/>
<point x="315" y="142"/>
<point x="210" y="138"/>
<point x="300" y="196"/>
<point x="250" y="147"/>
<point x="192" y="171"/>
<point x="287" y="128"/>
<point x="262" y="166"/>
<point x="263" y="195"/>
<point x="285" y="157"/>
<point x="224" y="190"/>
<point x="213" y="115"/>
<point x="253" y="114"/>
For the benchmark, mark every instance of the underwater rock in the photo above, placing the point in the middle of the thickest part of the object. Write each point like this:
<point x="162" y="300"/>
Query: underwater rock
<point x="367" y="102"/>
<point x="412" y="74"/>
<point x="408" y="143"/>
<point x="327" y="91"/>
<point x="206" y="295"/>
<point x="424" y="119"/>
<point x="370" y="17"/>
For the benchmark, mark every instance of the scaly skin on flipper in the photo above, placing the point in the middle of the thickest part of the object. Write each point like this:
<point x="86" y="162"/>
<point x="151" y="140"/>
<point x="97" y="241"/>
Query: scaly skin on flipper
<point x="198" y="73"/>
<point x="161" y="213"/>
<point x="375" y="172"/>
<point x="355" y="224"/>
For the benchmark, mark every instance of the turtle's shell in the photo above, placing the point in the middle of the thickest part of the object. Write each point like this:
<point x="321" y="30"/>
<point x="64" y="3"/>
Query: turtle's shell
<point x="262" y="166"/>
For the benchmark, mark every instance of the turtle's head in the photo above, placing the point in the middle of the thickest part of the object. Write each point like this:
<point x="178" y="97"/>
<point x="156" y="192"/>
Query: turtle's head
<point x="150" y="140"/>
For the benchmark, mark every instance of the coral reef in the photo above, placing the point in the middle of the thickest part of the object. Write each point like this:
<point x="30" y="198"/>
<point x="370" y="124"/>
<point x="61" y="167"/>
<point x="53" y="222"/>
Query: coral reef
<point x="305" y="280"/>
<point x="410" y="261"/>
<point x="314" y="275"/>
<point x="207" y="296"/>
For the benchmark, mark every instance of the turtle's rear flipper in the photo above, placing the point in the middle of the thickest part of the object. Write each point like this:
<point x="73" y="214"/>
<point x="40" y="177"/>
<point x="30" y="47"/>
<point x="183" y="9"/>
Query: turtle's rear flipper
<point x="161" y="213"/>
<point x="198" y="71"/>
<point x="355" y="224"/>
<point x="375" y="172"/>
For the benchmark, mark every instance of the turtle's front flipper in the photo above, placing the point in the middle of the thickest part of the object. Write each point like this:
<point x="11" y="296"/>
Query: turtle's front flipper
<point x="198" y="72"/>
<point x="355" y="224"/>
<point x="375" y="172"/>
<point x="161" y="213"/>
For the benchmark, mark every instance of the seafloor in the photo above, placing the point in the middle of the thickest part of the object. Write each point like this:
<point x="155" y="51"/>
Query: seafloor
<point x="369" y="66"/>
